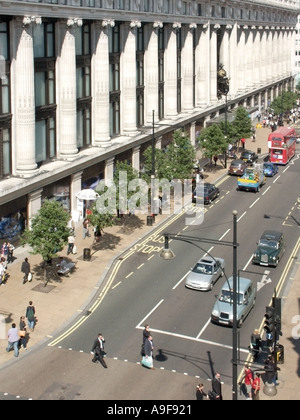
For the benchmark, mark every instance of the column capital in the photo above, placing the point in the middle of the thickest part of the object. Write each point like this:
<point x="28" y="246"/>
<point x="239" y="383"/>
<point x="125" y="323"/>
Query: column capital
<point x="158" y="24"/>
<point x="28" y="20"/>
<point x="72" y="22"/>
<point x="135" y="24"/>
<point x="108" y="22"/>
<point x="176" y="25"/>
<point x="193" y="25"/>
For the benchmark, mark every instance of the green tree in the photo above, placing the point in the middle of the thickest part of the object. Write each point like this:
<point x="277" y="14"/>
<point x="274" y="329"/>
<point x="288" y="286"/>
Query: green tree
<point x="100" y="220"/>
<point x="48" y="233"/>
<point x="285" y="102"/>
<point x="242" y="123"/>
<point x="212" y="141"/>
<point x="179" y="157"/>
<point x="159" y="164"/>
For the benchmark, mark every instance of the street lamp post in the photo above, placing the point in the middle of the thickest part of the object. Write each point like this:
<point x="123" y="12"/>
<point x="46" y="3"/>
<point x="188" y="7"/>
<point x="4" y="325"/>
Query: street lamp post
<point x="168" y="254"/>
<point x="222" y="90"/>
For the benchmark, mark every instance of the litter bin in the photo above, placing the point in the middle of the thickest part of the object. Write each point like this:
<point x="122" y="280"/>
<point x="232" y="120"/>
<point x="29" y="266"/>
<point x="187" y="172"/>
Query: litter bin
<point x="149" y="220"/>
<point x="279" y="353"/>
<point x="86" y="254"/>
<point x="258" y="150"/>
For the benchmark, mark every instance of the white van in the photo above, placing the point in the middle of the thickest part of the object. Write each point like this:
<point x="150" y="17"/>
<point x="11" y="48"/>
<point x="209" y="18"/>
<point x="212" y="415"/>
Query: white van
<point x="222" y="312"/>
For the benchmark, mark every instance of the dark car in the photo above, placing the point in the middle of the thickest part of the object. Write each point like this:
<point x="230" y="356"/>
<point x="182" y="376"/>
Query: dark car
<point x="249" y="156"/>
<point x="271" y="248"/>
<point x="207" y="193"/>
<point x="270" y="169"/>
<point x="237" y="167"/>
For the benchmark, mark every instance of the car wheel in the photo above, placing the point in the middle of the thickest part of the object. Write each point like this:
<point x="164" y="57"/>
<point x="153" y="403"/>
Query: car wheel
<point x="258" y="189"/>
<point x="211" y="286"/>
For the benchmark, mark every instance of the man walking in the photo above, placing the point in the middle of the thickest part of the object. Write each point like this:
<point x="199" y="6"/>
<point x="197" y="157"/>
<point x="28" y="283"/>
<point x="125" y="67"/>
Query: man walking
<point x="30" y="315"/>
<point x="13" y="340"/>
<point x="98" y="350"/>
<point x="25" y="268"/>
<point x="217" y="387"/>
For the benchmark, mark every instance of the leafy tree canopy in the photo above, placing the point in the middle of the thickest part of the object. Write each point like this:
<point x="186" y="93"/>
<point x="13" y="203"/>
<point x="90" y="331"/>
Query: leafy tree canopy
<point x="49" y="232"/>
<point x="212" y="141"/>
<point x="285" y="102"/>
<point x="242" y="123"/>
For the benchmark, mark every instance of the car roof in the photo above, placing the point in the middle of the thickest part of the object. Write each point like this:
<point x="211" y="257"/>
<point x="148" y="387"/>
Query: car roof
<point x="271" y="234"/>
<point x="206" y="260"/>
<point x="247" y="152"/>
<point x="238" y="161"/>
<point x="242" y="284"/>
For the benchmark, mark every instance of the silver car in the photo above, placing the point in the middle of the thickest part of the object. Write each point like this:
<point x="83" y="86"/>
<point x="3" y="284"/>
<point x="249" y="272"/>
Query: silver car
<point x="205" y="273"/>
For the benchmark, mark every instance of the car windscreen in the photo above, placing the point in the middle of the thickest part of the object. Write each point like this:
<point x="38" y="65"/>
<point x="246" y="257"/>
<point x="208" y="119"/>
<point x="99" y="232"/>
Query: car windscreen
<point x="227" y="296"/>
<point x="202" y="268"/>
<point x="269" y="244"/>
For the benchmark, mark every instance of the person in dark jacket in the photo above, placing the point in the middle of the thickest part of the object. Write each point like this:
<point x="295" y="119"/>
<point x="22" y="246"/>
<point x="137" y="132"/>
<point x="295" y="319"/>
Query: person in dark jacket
<point x="25" y="268"/>
<point x="146" y="334"/>
<point x="200" y="394"/>
<point x="98" y="350"/>
<point x="217" y="387"/>
<point x="22" y="327"/>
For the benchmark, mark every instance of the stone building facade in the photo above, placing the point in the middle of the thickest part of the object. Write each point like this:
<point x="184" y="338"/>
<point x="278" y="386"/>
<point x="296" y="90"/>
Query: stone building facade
<point x="86" y="83"/>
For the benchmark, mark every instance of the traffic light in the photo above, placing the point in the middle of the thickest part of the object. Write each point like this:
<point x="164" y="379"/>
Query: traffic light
<point x="277" y="316"/>
<point x="269" y="325"/>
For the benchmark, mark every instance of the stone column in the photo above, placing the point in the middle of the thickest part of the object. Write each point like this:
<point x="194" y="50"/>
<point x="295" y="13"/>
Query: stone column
<point x="213" y="64"/>
<point x="128" y="78"/>
<point x="136" y="158"/>
<point x="23" y="98"/>
<point x="34" y="204"/>
<point x="100" y="66"/>
<point x="233" y="45"/>
<point x="171" y="71"/>
<point x="193" y="133"/>
<point x="263" y="57"/>
<point x="225" y="49"/>
<point x="187" y="59"/>
<point x="151" y="70"/>
<point x="241" y="59"/>
<point x="249" y="58"/>
<point x="256" y="56"/>
<point x="109" y="171"/>
<point x="75" y="187"/>
<point x="202" y="66"/>
<point x="66" y="88"/>
<point x="270" y="60"/>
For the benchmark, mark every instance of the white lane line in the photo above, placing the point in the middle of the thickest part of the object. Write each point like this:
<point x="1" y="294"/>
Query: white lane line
<point x="223" y="236"/>
<point x="198" y="340"/>
<point x="242" y="216"/>
<point x="149" y="313"/>
<point x="249" y="261"/>
<point x="203" y="329"/>
<point x="177" y="284"/>
<point x="253" y="204"/>
<point x="265" y="192"/>
<point x="275" y="180"/>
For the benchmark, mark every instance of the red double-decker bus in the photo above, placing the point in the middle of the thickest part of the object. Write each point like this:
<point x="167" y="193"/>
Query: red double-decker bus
<point x="282" y="145"/>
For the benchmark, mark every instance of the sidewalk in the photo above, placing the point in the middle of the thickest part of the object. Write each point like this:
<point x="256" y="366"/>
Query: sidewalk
<point x="64" y="297"/>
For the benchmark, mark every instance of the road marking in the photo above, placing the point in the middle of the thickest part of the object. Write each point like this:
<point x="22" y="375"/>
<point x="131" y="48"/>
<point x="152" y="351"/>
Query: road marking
<point x="265" y="192"/>
<point x="147" y="316"/>
<point x="197" y="340"/>
<point x="177" y="284"/>
<point x="275" y="180"/>
<point x="242" y="216"/>
<point x="140" y="266"/>
<point x="223" y="236"/>
<point x="253" y="204"/>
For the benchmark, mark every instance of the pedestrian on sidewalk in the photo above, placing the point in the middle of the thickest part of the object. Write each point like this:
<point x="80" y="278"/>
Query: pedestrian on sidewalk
<point x="71" y="243"/>
<point x="215" y="159"/>
<point x="200" y="394"/>
<point x="256" y="387"/>
<point x="85" y="225"/>
<point x="243" y="141"/>
<point x="13" y="340"/>
<point x="4" y="250"/>
<point x="25" y="268"/>
<point x="255" y="344"/>
<point x="10" y="253"/>
<point x="22" y="333"/>
<point x="98" y="350"/>
<point x="217" y="387"/>
<point x="248" y="381"/>
<point x="30" y="315"/>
